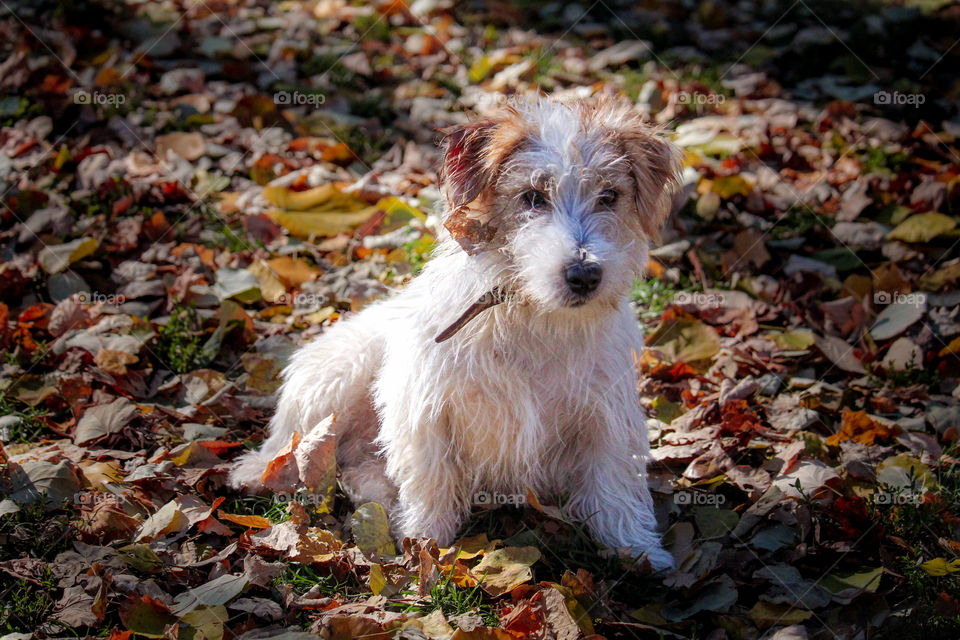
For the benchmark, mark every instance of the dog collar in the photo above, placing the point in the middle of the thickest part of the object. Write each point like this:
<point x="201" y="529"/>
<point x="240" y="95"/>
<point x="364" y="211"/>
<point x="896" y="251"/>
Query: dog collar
<point x="490" y="299"/>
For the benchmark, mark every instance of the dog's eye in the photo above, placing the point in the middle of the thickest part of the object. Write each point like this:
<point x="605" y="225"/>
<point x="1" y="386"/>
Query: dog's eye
<point x="608" y="197"/>
<point x="534" y="199"/>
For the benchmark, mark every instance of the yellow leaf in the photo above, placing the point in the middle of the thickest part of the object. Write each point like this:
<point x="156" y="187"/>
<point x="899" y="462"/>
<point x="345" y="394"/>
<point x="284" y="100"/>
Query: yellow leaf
<point x="271" y="288"/>
<point x="292" y="271"/>
<point x="55" y="258"/>
<point x="728" y="186"/>
<point x="953" y="347"/>
<point x="502" y="570"/>
<point x="480" y="69"/>
<point x="315" y="224"/>
<point x="377" y="581"/>
<point x="327" y="198"/>
<point x="940" y="566"/>
<point x="207" y="621"/>
<point x="684" y="338"/>
<point x="371" y="530"/>
<point x="472" y="546"/>
<point x="922" y="227"/>
<point x="398" y="213"/>
<point x="795" y="340"/>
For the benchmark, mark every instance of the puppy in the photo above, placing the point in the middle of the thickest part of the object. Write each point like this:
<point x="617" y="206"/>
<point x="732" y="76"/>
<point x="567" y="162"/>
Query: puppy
<point x="509" y="363"/>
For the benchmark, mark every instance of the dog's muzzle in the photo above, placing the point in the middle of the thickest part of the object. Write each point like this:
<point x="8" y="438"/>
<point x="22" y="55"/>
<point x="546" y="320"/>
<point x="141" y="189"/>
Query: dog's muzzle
<point x="583" y="277"/>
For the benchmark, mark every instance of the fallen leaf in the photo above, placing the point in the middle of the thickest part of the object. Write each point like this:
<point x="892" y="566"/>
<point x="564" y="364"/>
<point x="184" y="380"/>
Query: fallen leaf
<point x="188" y="146"/>
<point x="371" y="530"/>
<point x="56" y="258"/>
<point x="922" y="227"/>
<point x="503" y="569"/>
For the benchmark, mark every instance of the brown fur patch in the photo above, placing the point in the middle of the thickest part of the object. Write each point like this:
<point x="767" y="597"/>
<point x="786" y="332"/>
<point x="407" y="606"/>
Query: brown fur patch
<point x="473" y="157"/>
<point x="655" y="163"/>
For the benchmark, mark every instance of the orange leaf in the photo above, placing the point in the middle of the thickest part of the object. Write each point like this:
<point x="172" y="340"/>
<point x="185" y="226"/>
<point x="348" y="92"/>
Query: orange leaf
<point x="253" y="522"/>
<point x="279" y="468"/>
<point x="860" y="427"/>
<point x="216" y="447"/>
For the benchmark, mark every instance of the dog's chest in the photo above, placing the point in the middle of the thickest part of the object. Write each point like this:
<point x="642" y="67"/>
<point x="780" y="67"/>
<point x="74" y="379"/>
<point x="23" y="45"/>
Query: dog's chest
<point x="513" y="412"/>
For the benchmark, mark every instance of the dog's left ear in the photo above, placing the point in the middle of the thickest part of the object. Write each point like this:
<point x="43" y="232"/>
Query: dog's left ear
<point x="655" y="165"/>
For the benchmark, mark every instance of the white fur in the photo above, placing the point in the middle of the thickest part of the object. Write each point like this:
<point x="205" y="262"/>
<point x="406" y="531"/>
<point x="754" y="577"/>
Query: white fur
<point x="533" y="393"/>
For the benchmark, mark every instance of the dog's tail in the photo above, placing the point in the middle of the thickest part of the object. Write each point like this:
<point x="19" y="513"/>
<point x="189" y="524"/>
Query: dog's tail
<point x="331" y="375"/>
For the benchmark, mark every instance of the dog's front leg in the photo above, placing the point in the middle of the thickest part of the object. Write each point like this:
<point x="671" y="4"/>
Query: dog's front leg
<point x="430" y="500"/>
<point x="430" y="488"/>
<point x="610" y="489"/>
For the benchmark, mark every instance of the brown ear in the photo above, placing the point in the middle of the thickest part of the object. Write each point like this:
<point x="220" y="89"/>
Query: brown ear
<point x="472" y="158"/>
<point x="464" y="174"/>
<point x="473" y="154"/>
<point x="656" y="165"/>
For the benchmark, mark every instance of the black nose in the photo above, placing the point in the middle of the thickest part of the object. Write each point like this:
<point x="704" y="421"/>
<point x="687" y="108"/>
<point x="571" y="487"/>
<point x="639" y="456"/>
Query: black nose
<point x="583" y="277"/>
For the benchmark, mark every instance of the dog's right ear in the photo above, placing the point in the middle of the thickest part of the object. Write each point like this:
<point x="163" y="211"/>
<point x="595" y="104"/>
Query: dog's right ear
<point x="465" y="172"/>
<point x="472" y="159"/>
<point x="473" y="154"/>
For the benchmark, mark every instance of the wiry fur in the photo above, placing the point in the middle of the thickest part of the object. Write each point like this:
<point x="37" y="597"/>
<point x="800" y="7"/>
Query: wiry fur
<point x="538" y="392"/>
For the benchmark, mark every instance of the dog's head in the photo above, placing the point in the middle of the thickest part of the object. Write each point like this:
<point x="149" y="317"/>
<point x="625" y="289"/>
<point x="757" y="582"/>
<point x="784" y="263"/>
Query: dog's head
<point x="563" y="199"/>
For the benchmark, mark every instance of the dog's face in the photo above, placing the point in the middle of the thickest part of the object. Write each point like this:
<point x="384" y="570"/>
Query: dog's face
<point x="563" y="199"/>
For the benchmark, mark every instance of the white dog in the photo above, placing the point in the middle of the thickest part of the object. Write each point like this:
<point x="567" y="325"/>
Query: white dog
<point x="509" y="363"/>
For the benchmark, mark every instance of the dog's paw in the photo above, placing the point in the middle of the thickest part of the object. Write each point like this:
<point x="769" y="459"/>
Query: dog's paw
<point x="660" y="559"/>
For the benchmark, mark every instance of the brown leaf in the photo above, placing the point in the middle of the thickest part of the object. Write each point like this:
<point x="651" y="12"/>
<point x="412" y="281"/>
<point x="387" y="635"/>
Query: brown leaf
<point x="114" y="362"/>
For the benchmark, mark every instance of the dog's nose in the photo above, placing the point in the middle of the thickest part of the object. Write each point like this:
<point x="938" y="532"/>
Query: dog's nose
<point x="583" y="277"/>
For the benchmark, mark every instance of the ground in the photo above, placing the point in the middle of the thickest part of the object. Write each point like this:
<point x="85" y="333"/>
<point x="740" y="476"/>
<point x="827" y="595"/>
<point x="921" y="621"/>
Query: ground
<point x="190" y="190"/>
